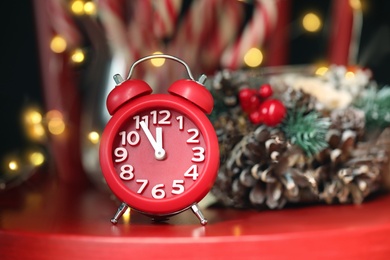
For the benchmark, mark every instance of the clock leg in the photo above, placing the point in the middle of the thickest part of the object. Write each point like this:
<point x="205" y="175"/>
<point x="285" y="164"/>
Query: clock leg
<point x="121" y="210"/>
<point x="199" y="214"/>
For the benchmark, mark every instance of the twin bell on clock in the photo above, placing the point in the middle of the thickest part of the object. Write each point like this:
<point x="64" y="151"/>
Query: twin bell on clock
<point x="159" y="152"/>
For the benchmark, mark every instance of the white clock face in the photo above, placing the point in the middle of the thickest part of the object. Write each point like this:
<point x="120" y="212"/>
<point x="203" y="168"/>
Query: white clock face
<point x="159" y="153"/>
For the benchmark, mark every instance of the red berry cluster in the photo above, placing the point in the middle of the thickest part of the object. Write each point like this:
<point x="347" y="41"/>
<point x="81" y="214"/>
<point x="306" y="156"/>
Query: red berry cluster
<point x="260" y="107"/>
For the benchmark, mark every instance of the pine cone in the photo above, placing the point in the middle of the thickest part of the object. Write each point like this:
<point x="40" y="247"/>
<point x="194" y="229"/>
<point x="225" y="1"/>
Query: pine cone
<point x="359" y="177"/>
<point x="349" y="119"/>
<point x="264" y="170"/>
<point x="347" y="128"/>
<point x="295" y="98"/>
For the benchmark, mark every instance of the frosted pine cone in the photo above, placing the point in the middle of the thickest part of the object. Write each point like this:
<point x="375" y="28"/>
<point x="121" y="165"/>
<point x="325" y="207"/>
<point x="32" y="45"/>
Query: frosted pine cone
<point x="358" y="177"/>
<point x="264" y="170"/>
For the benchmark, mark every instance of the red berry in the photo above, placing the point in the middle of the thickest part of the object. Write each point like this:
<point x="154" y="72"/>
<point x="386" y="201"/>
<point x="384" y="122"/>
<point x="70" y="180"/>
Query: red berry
<point x="265" y="91"/>
<point x="245" y="94"/>
<point x="249" y="101"/>
<point x="272" y="111"/>
<point x="255" y="117"/>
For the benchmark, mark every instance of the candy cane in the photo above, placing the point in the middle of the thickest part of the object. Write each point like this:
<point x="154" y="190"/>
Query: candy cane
<point x="166" y="13"/>
<point x="112" y="16"/>
<point x="140" y="35"/>
<point x="62" y="22"/>
<point x="264" y="18"/>
<point x="229" y="17"/>
<point x="194" y="31"/>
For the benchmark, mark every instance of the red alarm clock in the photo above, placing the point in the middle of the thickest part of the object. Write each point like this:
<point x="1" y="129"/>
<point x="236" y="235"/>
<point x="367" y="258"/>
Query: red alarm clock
<point x="159" y="153"/>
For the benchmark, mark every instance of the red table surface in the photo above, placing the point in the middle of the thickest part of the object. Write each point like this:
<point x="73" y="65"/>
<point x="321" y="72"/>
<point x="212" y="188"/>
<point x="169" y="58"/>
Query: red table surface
<point x="53" y="221"/>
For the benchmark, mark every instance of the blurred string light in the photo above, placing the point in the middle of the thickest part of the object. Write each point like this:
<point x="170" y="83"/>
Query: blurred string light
<point x="36" y="158"/>
<point x="13" y="165"/>
<point x="78" y="56"/>
<point x="90" y="8"/>
<point x="311" y="22"/>
<point x="58" y="44"/>
<point x="94" y="137"/>
<point x="320" y="71"/>
<point x="55" y="122"/>
<point x="355" y="4"/>
<point x="349" y="75"/>
<point x="157" y="62"/>
<point x="33" y="124"/>
<point x="253" y="57"/>
<point x="79" y="7"/>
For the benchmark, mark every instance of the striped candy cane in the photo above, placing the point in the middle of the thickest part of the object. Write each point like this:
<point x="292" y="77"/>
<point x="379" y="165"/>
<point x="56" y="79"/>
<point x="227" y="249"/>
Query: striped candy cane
<point x="228" y="20"/>
<point x="258" y="29"/>
<point x="165" y="15"/>
<point x="62" y="22"/>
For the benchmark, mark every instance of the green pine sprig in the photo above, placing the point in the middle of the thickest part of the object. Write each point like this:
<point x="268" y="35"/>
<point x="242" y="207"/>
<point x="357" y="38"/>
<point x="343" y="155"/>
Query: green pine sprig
<point x="306" y="130"/>
<point x="376" y="106"/>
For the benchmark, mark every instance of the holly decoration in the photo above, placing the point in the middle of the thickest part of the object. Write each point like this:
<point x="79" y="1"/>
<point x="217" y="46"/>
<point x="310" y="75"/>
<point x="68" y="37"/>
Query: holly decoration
<point x="376" y="106"/>
<point x="306" y="130"/>
<point x="260" y="107"/>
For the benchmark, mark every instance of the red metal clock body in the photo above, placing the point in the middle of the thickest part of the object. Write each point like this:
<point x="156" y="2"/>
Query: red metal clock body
<point x="159" y="152"/>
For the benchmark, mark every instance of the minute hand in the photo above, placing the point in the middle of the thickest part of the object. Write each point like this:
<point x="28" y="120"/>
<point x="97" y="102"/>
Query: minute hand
<point x="159" y="152"/>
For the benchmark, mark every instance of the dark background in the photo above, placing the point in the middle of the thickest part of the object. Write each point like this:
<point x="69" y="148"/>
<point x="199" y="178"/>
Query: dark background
<point x="20" y="76"/>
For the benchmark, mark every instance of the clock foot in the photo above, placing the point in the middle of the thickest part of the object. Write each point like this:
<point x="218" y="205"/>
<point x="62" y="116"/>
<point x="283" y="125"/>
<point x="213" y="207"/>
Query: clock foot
<point x="121" y="210"/>
<point x="199" y="214"/>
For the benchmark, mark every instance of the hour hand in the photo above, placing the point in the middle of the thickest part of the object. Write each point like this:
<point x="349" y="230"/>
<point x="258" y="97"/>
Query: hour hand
<point x="159" y="152"/>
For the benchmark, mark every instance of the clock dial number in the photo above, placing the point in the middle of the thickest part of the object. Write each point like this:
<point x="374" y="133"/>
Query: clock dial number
<point x="143" y="183"/>
<point x="199" y="155"/>
<point x="194" y="138"/>
<point x="161" y="117"/>
<point x="180" y="119"/>
<point x="138" y="120"/>
<point x="192" y="172"/>
<point x="131" y="137"/>
<point x="121" y="154"/>
<point x="127" y="172"/>
<point x="177" y="187"/>
<point x="158" y="191"/>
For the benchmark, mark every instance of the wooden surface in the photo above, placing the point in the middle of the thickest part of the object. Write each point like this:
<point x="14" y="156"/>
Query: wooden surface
<point x="51" y="221"/>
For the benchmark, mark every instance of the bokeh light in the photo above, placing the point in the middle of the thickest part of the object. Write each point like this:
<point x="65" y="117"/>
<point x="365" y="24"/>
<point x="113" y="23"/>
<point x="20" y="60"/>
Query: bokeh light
<point x="58" y="44"/>
<point x="311" y="22"/>
<point x="157" y="62"/>
<point x="90" y="8"/>
<point x="33" y="124"/>
<point x="55" y="122"/>
<point x="349" y="75"/>
<point x="78" y="56"/>
<point x="355" y="4"/>
<point x="253" y="58"/>
<point x="77" y="7"/>
<point x="13" y="165"/>
<point x="36" y="158"/>
<point x="94" y="137"/>
<point x="320" y="71"/>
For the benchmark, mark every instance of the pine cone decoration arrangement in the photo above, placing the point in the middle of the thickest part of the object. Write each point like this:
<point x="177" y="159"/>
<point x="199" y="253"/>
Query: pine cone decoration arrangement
<point x="313" y="155"/>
